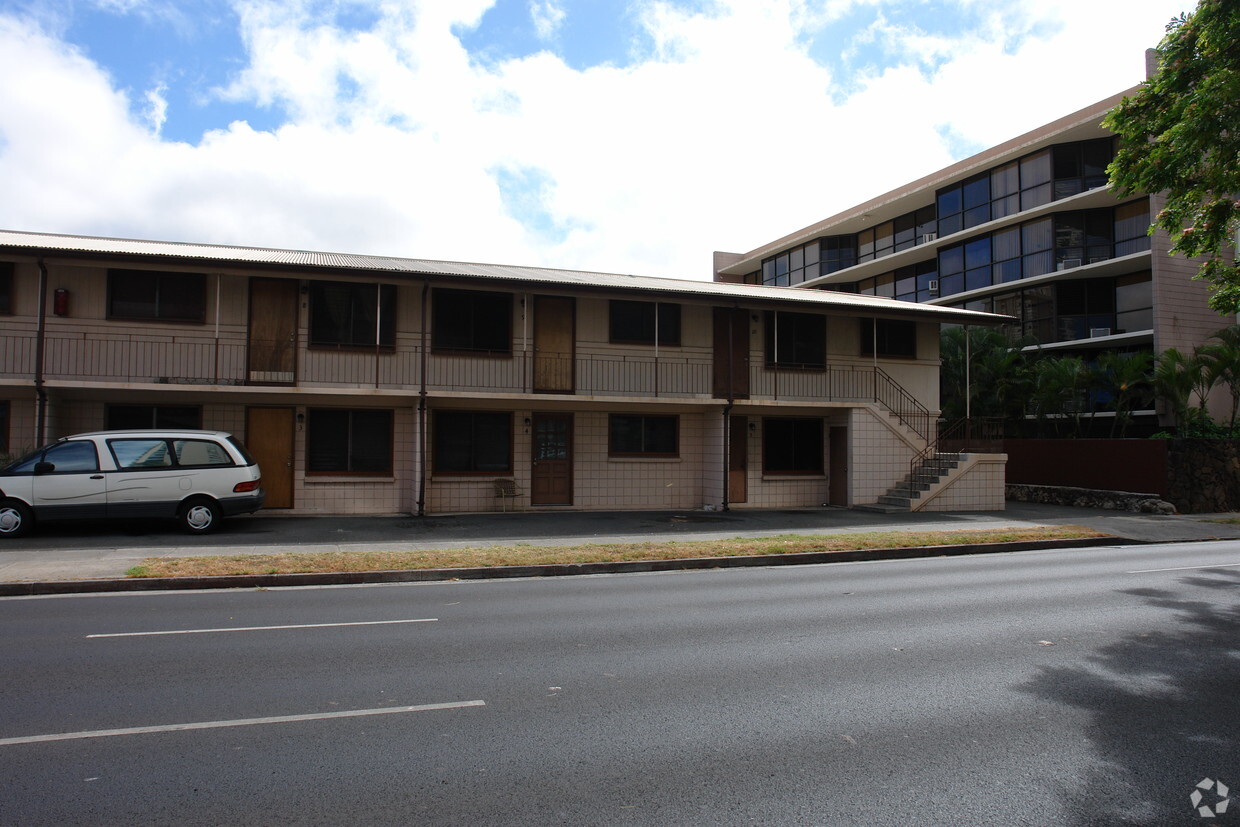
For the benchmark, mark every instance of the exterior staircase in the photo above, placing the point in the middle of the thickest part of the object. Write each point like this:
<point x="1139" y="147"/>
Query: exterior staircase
<point x="926" y="476"/>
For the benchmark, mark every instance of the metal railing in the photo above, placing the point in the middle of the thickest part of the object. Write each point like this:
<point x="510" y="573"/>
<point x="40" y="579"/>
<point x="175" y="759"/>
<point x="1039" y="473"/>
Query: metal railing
<point x="198" y="360"/>
<point x="976" y="435"/>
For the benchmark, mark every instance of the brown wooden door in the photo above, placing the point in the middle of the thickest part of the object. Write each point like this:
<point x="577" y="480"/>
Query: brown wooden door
<point x="554" y="341"/>
<point x="269" y="438"/>
<point x="731" y="373"/>
<point x="837" y="482"/>
<point x="551" y="475"/>
<point x="273" y="332"/>
<point x="738" y="459"/>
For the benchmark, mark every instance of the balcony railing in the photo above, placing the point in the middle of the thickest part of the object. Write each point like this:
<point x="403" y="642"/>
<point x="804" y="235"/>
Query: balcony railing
<point x="134" y="358"/>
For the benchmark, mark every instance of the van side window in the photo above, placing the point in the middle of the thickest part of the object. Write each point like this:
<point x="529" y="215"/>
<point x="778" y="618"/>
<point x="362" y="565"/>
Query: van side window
<point x="140" y="453"/>
<point x="200" y="452"/>
<point x="67" y="457"/>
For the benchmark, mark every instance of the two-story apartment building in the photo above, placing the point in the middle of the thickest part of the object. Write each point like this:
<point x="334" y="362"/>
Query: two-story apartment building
<point x="1027" y="229"/>
<point x="368" y="384"/>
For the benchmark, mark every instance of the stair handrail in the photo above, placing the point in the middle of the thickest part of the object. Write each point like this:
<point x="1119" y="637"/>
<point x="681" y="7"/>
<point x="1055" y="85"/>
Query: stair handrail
<point x="896" y="399"/>
<point x="975" y="430"/>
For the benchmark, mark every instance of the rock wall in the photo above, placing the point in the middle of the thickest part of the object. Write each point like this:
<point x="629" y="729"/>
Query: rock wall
<point x="1204" y="475"/>
<point x="1089" y="498"/>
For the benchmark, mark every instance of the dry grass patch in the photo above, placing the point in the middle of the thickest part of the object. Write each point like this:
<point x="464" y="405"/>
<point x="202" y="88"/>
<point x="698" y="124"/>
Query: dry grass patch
<point x="523" y="555"/>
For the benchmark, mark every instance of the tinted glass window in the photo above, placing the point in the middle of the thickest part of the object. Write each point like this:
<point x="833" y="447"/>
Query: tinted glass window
<point x="200" y="452"/>
<point x="471" y="321"/>
<point x="349" y="441"/>
<point x="140" y="453"/>
<point x="643" y="435"/>
<point x="472" y="442"/>
<point x="66" y="456"/>
<point x="347" y="314"/>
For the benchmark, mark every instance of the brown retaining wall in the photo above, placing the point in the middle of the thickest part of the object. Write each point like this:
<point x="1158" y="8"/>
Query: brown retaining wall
<point x="1198" y="476"/>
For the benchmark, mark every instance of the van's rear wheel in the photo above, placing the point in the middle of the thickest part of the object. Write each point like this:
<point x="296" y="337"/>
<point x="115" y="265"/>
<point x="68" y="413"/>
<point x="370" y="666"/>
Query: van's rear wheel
<point x="200" y="516"/>
<point x="16" y="518"/>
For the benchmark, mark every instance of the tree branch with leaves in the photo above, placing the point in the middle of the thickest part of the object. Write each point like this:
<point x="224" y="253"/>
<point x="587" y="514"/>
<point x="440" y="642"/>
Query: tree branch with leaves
<point x="1180" y="134"/>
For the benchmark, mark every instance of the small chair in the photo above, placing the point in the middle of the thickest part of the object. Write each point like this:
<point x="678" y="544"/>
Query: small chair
<point x="507" y="490"/>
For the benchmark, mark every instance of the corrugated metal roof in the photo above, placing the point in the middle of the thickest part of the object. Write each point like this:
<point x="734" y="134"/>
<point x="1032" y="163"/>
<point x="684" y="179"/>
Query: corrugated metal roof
<point x="48" y="243"/>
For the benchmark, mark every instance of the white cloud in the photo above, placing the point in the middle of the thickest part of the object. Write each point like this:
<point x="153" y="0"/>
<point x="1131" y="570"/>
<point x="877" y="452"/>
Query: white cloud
<point x="156" y="108"/>
<point x="547" y="16"/>
<point x="726" y="135"/>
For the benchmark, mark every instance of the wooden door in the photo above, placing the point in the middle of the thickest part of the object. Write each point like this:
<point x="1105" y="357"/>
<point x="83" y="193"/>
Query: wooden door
<point x="837" y="481"/>
<point x="738" y="459"/>
<point x="731" y="348"/>
<point x="551" y="474"/>
<point x="269" y="438"/>
<point x="273" y="332"/>
<point x="554" y="342"/>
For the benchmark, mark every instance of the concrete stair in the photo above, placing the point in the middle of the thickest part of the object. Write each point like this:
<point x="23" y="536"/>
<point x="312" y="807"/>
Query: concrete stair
<point x="927" y="476"/>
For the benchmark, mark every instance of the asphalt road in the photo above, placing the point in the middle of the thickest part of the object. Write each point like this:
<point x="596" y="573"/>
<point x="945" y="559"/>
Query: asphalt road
<point x="1060" y="687"/>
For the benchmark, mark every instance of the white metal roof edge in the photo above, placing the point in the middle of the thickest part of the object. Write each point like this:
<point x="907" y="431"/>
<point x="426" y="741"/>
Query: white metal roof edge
<point x="46" y="242"/>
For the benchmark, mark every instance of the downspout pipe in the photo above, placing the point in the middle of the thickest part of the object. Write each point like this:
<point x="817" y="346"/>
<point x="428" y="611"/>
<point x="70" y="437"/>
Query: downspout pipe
<point x="40" y="339"/>
<point x="727" y="453"/>
<point x="421" y="458"/>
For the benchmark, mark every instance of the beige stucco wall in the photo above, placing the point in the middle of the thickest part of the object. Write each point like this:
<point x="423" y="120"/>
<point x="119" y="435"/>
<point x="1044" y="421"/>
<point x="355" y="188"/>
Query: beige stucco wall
<point x="880" y="455"/>
<point x="978" y="486"/>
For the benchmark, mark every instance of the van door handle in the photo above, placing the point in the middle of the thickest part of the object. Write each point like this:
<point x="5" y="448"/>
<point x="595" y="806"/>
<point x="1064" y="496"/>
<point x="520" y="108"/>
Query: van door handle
<point x="97" y="477"/>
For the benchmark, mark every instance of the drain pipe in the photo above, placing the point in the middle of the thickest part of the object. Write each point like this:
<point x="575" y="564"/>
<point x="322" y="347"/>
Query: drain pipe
<point x="727" y="453"/>
<point x="40" y="338"/>
<point x="421" y="460"/>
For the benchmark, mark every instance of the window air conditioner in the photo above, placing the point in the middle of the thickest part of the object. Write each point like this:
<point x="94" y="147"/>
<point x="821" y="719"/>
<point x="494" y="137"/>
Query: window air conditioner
<point x="926" y="238"/>
<point x="1069" y="263"/>
<point x="1095" y="332"/>
<point x="933" y="287"/>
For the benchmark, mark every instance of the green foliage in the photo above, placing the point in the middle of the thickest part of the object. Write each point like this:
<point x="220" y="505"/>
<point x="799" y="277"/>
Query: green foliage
<point x="1127" y="378"/>
<point x="1181" y="134"/>
<point x="998" y="379"/>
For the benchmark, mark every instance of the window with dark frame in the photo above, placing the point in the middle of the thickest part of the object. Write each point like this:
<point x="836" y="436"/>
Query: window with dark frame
<point x="792" y="446"/>
<point x="6" y="288"/>
<point x="471" y="321"/>
<point x="471" y="442"/>
<point x="635" y="323"/>
<point x="344" y="314"/>
<point x="158" y="296"/>
<point x="348" y="441"/>
<point x="638" y="435"/>
<point x="4" y="426"/>
<point x="796" y="340"/>
<point x="894" y="337"/>
<point x="169" y="417"/>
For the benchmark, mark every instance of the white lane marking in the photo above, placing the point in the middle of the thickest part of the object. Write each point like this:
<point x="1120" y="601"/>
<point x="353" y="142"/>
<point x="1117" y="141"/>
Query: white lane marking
<point x="1188" y="568"/>
<point x="265" y="628"/>
<point x="279" y="719"/>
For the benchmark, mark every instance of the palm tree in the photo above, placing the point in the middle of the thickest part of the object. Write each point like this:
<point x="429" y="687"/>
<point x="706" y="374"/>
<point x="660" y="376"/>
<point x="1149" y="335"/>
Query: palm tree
<point x="1126" y="376"/>
<point x="996" y="380"/>
<point x="1061" y="385"/>
<point x="1177" y="377"/>
<point x="1222" y="362"/>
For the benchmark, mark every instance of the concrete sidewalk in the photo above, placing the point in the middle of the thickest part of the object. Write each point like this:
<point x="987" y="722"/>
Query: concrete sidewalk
<point x="104" y="551"/>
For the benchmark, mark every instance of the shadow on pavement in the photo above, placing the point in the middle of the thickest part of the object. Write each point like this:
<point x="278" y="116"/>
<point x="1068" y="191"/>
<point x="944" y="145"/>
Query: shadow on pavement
<point x="1165" y="706"/>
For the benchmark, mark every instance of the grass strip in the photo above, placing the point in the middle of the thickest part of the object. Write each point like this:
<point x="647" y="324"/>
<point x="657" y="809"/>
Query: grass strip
<point x="529" y="555"/>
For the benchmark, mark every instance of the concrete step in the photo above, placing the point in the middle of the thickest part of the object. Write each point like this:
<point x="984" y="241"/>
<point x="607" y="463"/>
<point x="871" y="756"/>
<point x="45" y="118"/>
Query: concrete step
<point x="879" y="508"/>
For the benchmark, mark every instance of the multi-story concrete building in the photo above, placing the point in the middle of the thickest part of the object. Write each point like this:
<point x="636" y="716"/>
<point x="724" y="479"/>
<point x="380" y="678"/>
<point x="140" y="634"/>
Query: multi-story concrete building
<point x="379" y="385"/>
<point x="1027" y="229"/>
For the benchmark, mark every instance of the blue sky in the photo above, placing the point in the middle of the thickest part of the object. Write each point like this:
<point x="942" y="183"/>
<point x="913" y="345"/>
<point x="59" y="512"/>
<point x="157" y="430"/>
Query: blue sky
<point x="627" y="136"/>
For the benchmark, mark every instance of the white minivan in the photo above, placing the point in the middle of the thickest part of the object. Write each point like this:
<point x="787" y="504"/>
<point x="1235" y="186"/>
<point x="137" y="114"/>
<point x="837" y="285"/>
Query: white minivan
<point x="197" y="477"/>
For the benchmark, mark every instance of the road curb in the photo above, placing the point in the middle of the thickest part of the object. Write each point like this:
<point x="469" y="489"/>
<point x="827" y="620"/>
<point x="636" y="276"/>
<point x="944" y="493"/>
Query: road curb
<point x="266" y="581"/>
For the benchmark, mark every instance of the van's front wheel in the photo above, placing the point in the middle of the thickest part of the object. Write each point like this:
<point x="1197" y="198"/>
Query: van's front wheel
<point x="16" y="518"/>
<point x="200" y="516"/>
